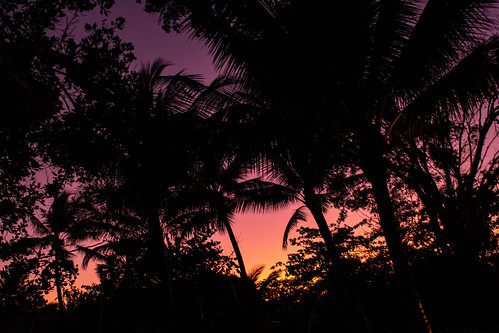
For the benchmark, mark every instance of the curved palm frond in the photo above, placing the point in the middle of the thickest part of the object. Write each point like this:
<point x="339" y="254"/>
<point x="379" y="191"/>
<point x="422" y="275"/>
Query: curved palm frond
<point x="272" y="277"/>
<point x="474" y="78"/>
<point x="298" y="216"/>
<point x="256" y="195"/>
<point x="441" y="33"/>
<point x="99" y="253"/>
<point x="255" y="272"/>
<point x="151" y="74"/>
<point x="217" y="96"/>
<point x="39" y="227"/>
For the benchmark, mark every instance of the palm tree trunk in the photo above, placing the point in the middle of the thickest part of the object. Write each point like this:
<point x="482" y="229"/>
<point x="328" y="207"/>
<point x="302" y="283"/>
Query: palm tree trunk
<point x="58" y="288"/>
<point x="60" y="301"/>
<point x="370" y="155"/>
<point x="159" y="250"/>
<point x="410" y="296"/>
<point x="345" y="288"/>
<point x="249" y="300"/>
<point x="237" y="251"/>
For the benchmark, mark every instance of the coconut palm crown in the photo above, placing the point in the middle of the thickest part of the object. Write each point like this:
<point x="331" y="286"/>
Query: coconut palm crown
<point x="371" y="69"/>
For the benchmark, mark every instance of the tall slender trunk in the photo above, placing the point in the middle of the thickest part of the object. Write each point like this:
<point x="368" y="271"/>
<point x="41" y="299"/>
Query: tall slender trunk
<point x="345" y="287"/>
<point x="158" y="247"/>
<point x="159" y="250"/>
<point x="245" y="294"/>
<point x="237" y="251"/>
<point x="370" y="154"/>
<point x="58" y="288"/>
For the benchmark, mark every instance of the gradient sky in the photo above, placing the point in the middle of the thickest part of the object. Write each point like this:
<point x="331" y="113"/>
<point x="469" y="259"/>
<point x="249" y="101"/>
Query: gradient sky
<point x="259" y="235"/>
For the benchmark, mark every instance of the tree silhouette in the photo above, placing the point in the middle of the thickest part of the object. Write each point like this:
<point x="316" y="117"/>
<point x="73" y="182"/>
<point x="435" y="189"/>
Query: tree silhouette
<point x="62" y="226"/>
<point x="302" y="163"/>
<point x="454" y="172"/>
<point x="41" y="66"/>
<point x="221" y="189"/>
<point x="138" y="143"/>
<point x="383" y="105"/>
<point x="17" y="291"/>
<point x="371" y="67"/>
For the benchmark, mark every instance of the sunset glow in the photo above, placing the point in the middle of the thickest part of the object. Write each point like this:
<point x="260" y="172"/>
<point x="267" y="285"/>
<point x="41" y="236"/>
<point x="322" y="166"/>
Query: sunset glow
<point x="335" y="171"/>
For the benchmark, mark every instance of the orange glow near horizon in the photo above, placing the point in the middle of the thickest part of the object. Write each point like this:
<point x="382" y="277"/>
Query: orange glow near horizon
<point x="259" y="236"/>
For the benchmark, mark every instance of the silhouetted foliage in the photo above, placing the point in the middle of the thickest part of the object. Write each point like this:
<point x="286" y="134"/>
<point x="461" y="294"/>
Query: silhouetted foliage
<point x="373" y="68"/>
<point x="383" y="109"/>
<point x="42" y="66"/>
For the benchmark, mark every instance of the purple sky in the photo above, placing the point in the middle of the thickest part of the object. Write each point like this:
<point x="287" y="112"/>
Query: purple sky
<point x="150" y="41"/>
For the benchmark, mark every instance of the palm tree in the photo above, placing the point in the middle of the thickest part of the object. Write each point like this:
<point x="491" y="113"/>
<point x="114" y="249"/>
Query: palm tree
<point x="311" y="167"/>
<point x="367" y="68"/>
<point x="63" y="226"/>
<point x="157" y="122"/>
<point x="220" y="189"/>
<point x="123" y="241"/>
<point x="143" y="147"/>
<point x="300" y="171"/>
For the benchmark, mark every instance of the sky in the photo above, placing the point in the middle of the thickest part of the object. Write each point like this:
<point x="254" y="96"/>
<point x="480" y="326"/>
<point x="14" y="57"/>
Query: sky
<point x="259" y="235"/>
<point x="151" y="42"/>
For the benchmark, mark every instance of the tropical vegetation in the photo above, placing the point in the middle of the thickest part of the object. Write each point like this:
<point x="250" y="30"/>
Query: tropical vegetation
<point x="383" y="111"/>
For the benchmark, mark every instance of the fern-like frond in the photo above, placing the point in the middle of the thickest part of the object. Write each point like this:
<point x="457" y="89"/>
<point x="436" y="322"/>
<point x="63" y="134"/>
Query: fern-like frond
<point x="298" y="216"/>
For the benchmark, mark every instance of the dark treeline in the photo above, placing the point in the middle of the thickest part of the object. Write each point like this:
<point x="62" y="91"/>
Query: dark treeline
<point x="384" y="107"/>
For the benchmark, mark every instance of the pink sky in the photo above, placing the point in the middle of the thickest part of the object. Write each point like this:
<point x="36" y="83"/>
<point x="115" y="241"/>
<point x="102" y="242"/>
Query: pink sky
<point x="259" y="237"/>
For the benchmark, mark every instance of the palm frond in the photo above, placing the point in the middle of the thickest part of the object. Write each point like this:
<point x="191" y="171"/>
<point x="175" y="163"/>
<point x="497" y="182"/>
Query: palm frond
<point x="151" y="73"/>
<point x="282" y="170"/>
<point x="96" y="254"/>
<point x="443" y="30"/>
<point x="256" y="195"/>
<point x="255" y="272"/>
<point x="273" y="276"/>
<point x="178" y="94"/>
<point x="472" y="80"/>
<point x="217" y="96"/>
<point x="298" y="216"/>
<point x="187" y="223"/>
<point x="392" y="22"/>
<point x="39" y="227"/>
